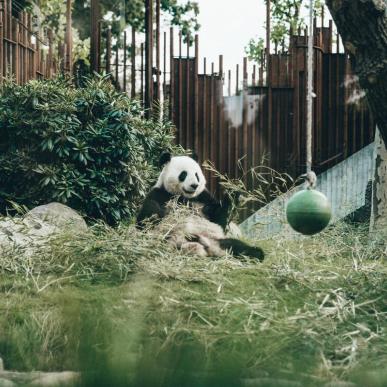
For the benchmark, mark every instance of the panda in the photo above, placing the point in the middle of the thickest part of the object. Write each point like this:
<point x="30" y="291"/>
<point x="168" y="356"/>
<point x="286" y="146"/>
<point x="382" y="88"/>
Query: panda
<point x="202" y="231"/>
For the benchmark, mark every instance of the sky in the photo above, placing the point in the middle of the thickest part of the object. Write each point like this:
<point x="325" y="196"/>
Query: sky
<point x="226" y="28"/>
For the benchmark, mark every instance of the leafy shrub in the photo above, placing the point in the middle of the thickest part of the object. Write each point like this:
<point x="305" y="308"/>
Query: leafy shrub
<point x="86" y="147"/>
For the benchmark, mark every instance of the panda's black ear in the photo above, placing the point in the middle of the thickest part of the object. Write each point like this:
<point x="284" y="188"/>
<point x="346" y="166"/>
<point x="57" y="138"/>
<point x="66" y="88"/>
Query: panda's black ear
<point x="194" y="156"/>
<point x="164" y="158"/>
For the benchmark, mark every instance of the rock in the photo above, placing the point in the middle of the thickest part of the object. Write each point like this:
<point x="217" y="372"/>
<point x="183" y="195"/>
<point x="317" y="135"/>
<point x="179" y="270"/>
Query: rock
<point x="57" y="215"/>
<point x="28" y="233"/>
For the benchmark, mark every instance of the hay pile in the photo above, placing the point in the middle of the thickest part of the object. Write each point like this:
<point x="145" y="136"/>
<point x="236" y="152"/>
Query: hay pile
<point x="125" y="302"/>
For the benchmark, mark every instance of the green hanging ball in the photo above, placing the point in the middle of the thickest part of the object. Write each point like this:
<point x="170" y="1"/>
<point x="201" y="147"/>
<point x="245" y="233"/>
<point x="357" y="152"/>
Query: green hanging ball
<point x="308" y="212"/>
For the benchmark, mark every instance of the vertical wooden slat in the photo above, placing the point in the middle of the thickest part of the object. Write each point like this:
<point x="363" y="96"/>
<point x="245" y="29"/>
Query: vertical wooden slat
<point x="229" y="83"/>
<point x="125" y="63"/>
<point x="157" y="91"/>
<point x="337" y="43"/>
<point x="148" y="56"/>
<point x="268" y="78"/>
<point x="164" y="63"/>
<point x="95" y="16"/>
<point x="237" y="80"/>
<point x="220" y="129"/>
<point x="244" y="153"/>
<point x="16" y="64"/>
<point x="188" y="143"/>
<point x="180" y="132"/>
<point x="69" y="39"/>
<point x="330" y="35"/>
<point x="142" y="75"/>
<point x="172" y="77"/>
<point x="108" y="50"/>
<point x="2" y="54"/>
<point x="50" y="53"/>
<point x="133" y="64"/>
<point x="117" y="60"/>
<point x="212" y="154"/>
<point x="345" y="122"/>
<point x="204" y="111"/>
<point x="196" y="96"/>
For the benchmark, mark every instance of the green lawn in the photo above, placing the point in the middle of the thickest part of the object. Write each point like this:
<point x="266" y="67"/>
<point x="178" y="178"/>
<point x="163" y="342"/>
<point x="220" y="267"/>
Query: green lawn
<point x="129" y="310"/>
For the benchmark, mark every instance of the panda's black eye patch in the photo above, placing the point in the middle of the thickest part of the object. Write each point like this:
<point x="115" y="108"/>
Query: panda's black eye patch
<point x="182" y="176"/>
<point x="197" y="176"/>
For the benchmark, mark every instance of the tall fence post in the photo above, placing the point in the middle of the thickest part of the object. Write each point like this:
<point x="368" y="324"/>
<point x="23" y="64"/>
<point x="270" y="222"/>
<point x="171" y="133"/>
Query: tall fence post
<point x="268" y="78"/>
<point x="69" y="39"/>
<point x="172" y="75"/>
<point x="95" y="16"/>
<point x="50" y="53"/>
<point x="157" y="91"/>
<point x="125" y="61"/>
<point x="2" y="19"/>
<point x="108" y="50"/>
<point x="133" y="64"/>
<point x="148" y="56"/>
<point x="196" y="95"/>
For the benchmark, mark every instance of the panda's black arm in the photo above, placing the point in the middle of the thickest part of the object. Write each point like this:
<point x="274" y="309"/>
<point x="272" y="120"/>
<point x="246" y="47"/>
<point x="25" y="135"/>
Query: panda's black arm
<point x="215" y="210"/>
<point x="153" y="206"/>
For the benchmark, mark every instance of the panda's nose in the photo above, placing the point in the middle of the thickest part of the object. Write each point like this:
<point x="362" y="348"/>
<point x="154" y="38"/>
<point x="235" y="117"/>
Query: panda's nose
<point x="194" y="186"/>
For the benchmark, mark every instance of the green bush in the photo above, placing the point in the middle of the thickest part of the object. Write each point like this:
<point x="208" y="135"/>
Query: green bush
<point x="86" y="147"/>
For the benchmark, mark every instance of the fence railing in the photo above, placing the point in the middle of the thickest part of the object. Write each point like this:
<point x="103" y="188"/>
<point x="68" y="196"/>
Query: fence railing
<point x="24" y="53"/>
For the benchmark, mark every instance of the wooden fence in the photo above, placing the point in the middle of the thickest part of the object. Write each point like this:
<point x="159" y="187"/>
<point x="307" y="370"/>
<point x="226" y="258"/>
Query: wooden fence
<point x="25" y="54"/>
<point x="265" y="119"/>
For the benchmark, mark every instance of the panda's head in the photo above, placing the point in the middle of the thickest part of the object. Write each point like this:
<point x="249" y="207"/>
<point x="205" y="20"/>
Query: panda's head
<point x="181" y="175"/>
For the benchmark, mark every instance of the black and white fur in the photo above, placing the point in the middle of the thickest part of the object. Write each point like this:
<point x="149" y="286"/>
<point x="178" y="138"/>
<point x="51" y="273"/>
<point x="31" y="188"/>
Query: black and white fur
<point x="182" y="180"/>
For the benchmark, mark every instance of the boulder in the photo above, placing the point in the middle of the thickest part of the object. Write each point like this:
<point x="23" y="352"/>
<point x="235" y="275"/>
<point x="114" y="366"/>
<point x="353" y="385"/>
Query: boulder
<point x="29" y="232"/>
<point x="57" y="215"/>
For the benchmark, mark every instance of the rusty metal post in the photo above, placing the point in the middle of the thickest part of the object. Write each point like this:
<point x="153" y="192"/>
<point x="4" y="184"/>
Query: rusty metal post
<point x="171" y="75"/>
<point x="244" y="119"/>
<point x="164" y="63"/>
<point x="267" y="37"/>
<point x="229" y="83"/>
<point x="125" y="61"/>
<point x="142" y="75"/>
<point x="148" y="57"/>
<point x="2" y="18"/>
<point x="50" y="54"/>
<point x="133" y="64"/>
<point x="237" y="80"/>
<point x="196" y="95"/>
<point x="108" y="50"/>
<point x="157" y="91"/>
<point x="117" y="59"/>
<point x="69" y="39"/>
<point x="268" y="77"/>
<point x="188" y="93"/>
<point x="95" y="16"/>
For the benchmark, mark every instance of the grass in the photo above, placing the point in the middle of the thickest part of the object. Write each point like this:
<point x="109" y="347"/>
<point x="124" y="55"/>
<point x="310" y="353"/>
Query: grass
<point x="129" y="310"/>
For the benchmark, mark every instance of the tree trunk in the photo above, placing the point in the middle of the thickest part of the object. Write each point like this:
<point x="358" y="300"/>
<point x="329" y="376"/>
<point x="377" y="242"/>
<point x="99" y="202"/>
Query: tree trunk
<point x="379" y="191"/>
<point x="362" y="25"/>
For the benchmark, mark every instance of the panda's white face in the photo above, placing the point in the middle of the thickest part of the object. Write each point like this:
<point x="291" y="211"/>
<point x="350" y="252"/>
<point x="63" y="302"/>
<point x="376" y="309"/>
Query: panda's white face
<point x="182" y="175"/>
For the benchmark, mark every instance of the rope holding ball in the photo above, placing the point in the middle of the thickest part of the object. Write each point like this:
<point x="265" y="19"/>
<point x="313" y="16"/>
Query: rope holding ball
<point x="308" y="211"/>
